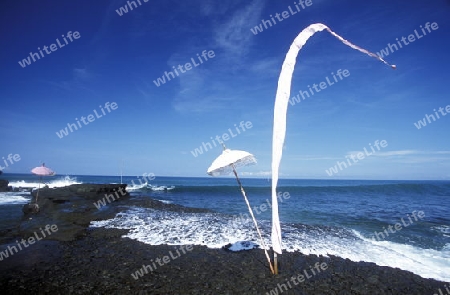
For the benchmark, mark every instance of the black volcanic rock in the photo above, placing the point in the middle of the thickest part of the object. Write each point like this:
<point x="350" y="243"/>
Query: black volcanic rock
<point x="103" y="262"/>
<point x="4" y="185"/>
<point x="71" y="208"/>
<point x="86" y="191"/>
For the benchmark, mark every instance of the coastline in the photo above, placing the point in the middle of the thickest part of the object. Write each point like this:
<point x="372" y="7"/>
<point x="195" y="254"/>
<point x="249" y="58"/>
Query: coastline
<point x="101" y="262"/>
<point x="83" y="260"/>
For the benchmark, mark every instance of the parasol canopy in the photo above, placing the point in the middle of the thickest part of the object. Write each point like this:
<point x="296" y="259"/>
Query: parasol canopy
<point x="43" y="171"/>
<point x="223" y="165"/>
<point x="40" y="171"/>
<point x="227" y="163"/>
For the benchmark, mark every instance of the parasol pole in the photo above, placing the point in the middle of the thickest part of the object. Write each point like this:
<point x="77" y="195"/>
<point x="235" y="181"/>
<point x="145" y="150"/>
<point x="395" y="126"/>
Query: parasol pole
<point x="253" y="217"/>
<point x="275" y="263"/>
<point x="35" y="206"/>
<point x="39" y="187"/>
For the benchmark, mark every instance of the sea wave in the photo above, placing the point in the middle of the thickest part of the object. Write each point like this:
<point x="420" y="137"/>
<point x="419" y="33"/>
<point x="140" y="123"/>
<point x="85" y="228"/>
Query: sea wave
<point x="59" y="182"/>
<point x="135" y="187"/>
<point x="390" y="189"/>
<point x="216" y="230"/>
<point x="161" y="188"/>
<point x="12" y="198"/>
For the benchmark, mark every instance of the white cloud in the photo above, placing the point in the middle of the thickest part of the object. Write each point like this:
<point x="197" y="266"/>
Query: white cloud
<point x="234" y="35"/>
<point x="260" y="173"/>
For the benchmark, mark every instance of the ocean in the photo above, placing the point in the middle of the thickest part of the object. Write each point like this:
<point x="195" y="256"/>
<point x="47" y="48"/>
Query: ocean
<point x="404" y="224"/>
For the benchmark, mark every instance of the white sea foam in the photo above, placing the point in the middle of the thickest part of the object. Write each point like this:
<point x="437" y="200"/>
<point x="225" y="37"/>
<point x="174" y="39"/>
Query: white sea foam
<point x="23" y="184"/>
<point x="160" y="227"/>
<point x="215" y="231"/>
<point x="10" y="198"/>
<point x="59" y="182"/>
<point x="63" y="181"/>
<point x="442" y="229"/>
<point x="134" y="187"/>
<point x="161" y="188"/>
<point x="243" y="245"/>
<point x="166" y="201"/>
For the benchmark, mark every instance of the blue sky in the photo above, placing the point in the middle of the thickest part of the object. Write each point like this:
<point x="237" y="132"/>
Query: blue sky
<point x="157" y="129"/>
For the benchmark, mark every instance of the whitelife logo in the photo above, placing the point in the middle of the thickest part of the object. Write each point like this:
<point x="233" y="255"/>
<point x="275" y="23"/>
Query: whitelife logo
<point x="296" y="280"/>
<point x="161" y="261"/>
<point x="423" y="123"/>
<point x="244" y="217"/>
<point x="184" y="68"/>
<point x="124" y="9"/>
<point x="442" y="293"/>
<point x="265" y="24"/>
<point x="391" y="48"/>
<point x="10" y="158"/>
<point x="360" y="155"/>
<point x="49" y="229"/>
<point x="35" y="56"/>
<point x="108" y="199"/>
<point x="90" y="118"/>
<point x="397" y="226"/>
<point x="322" y="85"/>
<point x="220" y="139"/>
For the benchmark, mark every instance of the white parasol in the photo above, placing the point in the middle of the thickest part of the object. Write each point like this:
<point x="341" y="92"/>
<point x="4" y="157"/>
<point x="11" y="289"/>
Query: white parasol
<point x="227" y="163"/>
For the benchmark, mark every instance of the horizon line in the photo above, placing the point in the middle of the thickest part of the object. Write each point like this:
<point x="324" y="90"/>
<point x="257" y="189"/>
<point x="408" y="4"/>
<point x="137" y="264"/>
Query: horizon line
<point x="232" y="177"/>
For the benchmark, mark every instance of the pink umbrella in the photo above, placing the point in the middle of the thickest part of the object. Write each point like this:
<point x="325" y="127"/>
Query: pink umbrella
<point x="41" y="171"/>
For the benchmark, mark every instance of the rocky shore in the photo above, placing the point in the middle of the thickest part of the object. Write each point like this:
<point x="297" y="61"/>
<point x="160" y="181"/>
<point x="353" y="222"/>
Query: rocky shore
<point x="76" y="259"/>
<point x="71" y="207"/>
<point x="101" y="262"/>
<point x="4" y="185"/>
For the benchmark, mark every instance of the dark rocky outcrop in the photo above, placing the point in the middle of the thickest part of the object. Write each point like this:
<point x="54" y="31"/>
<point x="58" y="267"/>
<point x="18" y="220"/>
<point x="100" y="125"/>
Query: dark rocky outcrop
<point x="4" y="185"/>
<point x="86" y="191"/>
<point x="71" y="208"/>
<point x="102" y="262"/>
